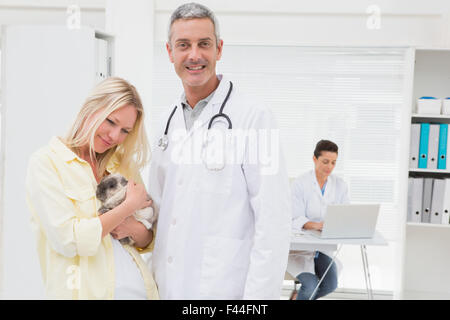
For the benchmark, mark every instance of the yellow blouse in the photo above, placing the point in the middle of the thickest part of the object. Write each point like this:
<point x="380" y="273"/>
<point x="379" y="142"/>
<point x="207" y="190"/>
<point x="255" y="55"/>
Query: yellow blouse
<point x="76" y="263"/>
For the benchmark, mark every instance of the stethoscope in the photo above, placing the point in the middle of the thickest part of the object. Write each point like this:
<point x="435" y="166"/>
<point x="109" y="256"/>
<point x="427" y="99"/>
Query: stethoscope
<point x="164" y="140"/>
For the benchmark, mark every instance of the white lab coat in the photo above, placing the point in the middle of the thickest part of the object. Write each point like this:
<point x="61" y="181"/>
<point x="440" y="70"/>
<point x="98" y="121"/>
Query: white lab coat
<point x="220" y="234"/>
<point x="308" y="204"/>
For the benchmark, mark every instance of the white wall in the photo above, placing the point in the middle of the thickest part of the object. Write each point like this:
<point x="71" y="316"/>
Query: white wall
<point x="282" y="22"/>
<point x="323" y="22"/>
<point x="133" y="28"/>
<point x="51" y="12"/>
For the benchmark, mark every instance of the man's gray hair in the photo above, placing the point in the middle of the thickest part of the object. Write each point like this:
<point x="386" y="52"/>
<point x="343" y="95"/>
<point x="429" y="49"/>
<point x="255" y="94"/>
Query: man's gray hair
<point x="194" y="11"/>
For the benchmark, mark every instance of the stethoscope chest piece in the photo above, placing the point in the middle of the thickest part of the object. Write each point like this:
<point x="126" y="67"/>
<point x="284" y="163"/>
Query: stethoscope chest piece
<point x="163" y="142"/>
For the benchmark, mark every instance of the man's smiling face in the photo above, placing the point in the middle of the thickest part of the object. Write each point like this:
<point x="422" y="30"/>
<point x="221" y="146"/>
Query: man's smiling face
<point x="193" y="51"/>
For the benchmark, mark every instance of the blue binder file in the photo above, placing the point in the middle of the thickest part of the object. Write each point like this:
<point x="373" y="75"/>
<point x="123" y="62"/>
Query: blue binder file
<point x="423" y="147"/>
<point x="442" y="151"/>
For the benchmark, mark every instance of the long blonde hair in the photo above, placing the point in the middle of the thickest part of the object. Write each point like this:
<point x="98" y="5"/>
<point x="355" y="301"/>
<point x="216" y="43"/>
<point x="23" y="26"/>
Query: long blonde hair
<point x="106" y="97"/>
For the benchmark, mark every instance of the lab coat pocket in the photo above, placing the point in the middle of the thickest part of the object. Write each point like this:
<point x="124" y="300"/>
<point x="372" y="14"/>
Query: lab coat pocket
<point x="220" y="161"/>
<point x="224" y="268"/>
<point x="84" y="202"/>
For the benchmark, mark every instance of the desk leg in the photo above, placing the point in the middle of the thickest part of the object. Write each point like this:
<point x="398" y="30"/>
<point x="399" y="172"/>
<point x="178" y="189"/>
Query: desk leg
<point x="325" y="273"/>
<point x="366" y="272"/>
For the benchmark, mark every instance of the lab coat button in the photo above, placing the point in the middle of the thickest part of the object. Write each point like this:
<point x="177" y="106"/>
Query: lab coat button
<point x="170" y="260"/>
<point x="174" y="221"/>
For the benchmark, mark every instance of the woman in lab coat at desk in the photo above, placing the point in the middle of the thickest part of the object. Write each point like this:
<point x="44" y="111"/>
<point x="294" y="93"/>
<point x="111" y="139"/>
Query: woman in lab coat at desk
<point x="311" y="193"/>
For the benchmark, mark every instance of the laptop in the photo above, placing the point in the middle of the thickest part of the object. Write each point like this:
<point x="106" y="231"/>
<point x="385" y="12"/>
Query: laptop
<point x="348" y="221"/>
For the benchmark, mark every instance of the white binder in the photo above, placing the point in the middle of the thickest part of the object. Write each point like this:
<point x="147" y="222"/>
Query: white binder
<point x="414" y="145"/>
<point x="426" y="200"/>
<point x="433" y="147"/>
<point x="415" y="215"/>
<point x="447" y="166"/>
<point x="437" y="202"/>
<point x="410" y="199"/>
<point x="446" y="201"/>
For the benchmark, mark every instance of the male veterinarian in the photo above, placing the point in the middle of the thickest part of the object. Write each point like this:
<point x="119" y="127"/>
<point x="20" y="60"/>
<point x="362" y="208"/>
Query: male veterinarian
<point x="217" y="178"/>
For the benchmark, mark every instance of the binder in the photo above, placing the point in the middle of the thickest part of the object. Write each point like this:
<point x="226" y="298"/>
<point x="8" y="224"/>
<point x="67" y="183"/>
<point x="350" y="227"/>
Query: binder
<point x="446" y="205"/>
<point x="423" y="145"/>
<point x="442" y="152"/>
<point x="414" y="146"/>
<point x="415" y="215"/>
<point x="410" y="189"/>
<point x="426" y="202"/>
<point x="448" y="152"/>
<point x="433" y="147"/>
<point x="437" y="202"/>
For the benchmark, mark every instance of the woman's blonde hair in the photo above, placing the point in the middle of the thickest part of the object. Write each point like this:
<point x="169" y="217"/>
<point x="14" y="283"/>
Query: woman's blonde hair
<point x="106" y="97"/>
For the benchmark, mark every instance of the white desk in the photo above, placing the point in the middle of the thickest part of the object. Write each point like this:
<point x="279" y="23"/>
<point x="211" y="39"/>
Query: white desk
<point x="303" y="241"/>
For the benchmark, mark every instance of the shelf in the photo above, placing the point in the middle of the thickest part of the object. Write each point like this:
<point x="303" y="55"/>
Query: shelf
<point x="432" y="173"/>
<point x="427" y="225"/>
<point x="425" y="245"/>
<point x="414" y="170"/>
<point x="440" y="118"/>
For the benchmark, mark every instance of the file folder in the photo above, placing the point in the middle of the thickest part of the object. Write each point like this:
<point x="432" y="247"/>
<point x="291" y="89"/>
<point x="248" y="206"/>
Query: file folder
<point x="414" y="146"/>
<point x="442" y="152"/>
<point x="433" y="147"/>
<point x="448" y="153"/>
<point x="437" y="202"/>
<point x="446" y="206"/>
<point x="423" y="146"/>
<point x="415" y="215"/>
<point x="409" y="207"/>
<point x="426" y="202"/>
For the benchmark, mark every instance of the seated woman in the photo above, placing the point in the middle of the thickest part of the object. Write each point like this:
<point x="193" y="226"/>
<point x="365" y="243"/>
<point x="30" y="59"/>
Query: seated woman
<point x="78" y="257"/>
<point x="311" y="193"/>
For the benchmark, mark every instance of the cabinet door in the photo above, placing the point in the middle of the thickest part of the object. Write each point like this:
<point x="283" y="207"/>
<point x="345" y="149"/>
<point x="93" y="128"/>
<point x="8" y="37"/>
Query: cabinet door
<point x="47" y="72"/>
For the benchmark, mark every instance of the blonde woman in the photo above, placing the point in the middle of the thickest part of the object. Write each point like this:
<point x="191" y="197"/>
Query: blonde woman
<point x="79" y="259"/>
